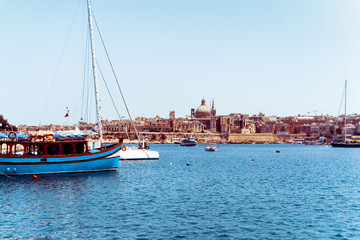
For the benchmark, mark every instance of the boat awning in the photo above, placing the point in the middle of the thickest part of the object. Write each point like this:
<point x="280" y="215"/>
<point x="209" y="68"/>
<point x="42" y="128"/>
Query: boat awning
<point x="21" y="135"/>
<point x="3" y="135"/>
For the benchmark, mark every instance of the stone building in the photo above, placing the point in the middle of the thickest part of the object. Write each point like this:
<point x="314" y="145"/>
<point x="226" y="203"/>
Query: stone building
<point x="205" y="115"/>
<point x="233" y="123"/>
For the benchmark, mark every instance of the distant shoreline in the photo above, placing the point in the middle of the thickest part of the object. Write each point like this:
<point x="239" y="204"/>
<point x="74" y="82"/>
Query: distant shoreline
<point x="230" y="138"/>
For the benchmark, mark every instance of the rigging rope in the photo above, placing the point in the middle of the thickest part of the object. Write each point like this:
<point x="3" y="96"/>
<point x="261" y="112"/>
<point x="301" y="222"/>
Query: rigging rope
<point x="85" y="74"/>
<point x="111" y="97"/>
<point x="117" y="82"/>
<point x="58" y="67"/>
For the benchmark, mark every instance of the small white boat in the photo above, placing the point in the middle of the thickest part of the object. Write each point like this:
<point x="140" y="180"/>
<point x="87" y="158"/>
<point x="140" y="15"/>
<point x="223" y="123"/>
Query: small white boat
<point x="141" y="152"/>
<point x="176" y="140"/>
<point x="212" y="148"/>
<point x="134" y="153"/>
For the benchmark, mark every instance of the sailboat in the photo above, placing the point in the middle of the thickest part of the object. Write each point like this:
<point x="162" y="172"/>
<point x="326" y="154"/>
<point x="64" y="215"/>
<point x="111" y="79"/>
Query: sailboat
<point x="346" y="142"/>
<point x="47" y="153"/>
<point x="140" y="152"/>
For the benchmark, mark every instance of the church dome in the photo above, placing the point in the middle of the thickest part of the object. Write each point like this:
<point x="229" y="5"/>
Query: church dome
<point x="203" y="111"/>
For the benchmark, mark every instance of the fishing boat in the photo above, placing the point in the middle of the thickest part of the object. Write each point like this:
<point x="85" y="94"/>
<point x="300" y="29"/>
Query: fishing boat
<point x="49" y="153"/>
<point x="344" y="141"/>
<point x="188" y="142"/>
<point x="212" y="148"/>
<point x="44" y="154"/>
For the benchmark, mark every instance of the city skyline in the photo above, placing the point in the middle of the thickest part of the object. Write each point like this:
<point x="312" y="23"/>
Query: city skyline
<point x="281" y="58"/>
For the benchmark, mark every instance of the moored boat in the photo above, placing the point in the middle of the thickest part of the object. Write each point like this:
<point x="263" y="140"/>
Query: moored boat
<point x="344" y="141"/>
<point x="211" y="148"/>
<point x="140" y="152"/>
<point x="176" y="140"/>
<point x="188" y="142"/>
<point x="47" y="155"/>
<point x="130" y="153"/>
<point x="347" y="144"/>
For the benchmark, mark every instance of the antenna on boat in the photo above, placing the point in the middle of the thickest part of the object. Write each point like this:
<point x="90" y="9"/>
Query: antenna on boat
<point x="94" y="73"/>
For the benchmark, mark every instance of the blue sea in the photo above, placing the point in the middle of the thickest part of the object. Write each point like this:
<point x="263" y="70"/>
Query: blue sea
<point x="239" y="192"/>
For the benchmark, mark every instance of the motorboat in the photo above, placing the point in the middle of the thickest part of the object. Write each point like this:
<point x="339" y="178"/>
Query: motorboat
<point x="176" y="140"/>
<point x="212" y="148"/>
<point x="188" y="142"/>
<point x="347" y="144"/>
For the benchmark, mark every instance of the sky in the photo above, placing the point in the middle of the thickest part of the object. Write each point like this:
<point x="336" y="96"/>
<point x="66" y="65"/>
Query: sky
<point x="278" y="57"/>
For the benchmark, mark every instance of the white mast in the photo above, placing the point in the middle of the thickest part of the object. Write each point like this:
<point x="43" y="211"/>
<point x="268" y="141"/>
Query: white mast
<point x="94" y="73"/>
<point x="345" y="110"/>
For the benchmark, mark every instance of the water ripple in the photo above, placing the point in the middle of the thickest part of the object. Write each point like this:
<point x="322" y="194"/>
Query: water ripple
<point x="305" y="192"/>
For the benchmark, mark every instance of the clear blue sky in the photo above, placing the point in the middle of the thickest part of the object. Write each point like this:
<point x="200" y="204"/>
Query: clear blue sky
<point x="279" y="57"/>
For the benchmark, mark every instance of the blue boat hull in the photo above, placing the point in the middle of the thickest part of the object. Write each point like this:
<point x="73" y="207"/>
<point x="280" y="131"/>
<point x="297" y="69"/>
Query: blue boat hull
<point x="106" y="164"/>
<point x="101" y="161"/>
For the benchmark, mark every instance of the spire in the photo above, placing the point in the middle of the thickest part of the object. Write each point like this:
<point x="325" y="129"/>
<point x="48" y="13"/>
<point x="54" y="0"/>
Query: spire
<point x="213" y="110"/>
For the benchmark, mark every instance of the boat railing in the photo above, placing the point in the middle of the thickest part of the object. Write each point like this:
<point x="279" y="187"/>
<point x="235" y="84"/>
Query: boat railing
<point x="19" y="148"/>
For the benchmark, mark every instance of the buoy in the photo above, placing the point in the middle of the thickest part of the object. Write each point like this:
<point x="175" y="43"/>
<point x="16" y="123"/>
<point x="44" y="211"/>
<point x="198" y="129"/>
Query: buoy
<point x="34" y="177"/>
<point x="171" y="163"/>
<point x="12" y="135"/>
<point x="253" y="159"/>
<point x="277" y="151"/>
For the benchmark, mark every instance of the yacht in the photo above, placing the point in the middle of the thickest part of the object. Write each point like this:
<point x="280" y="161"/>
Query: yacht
<point x="188" y="142"/>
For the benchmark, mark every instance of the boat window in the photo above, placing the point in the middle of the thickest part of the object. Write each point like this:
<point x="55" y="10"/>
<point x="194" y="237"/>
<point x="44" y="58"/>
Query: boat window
<point x="18" y="149"/>
<point x="67" y="149"/>
<point x="36" y="149"/>
<point x="4" y="149"/>
<point x="53" y="149"/>
<point x="32" y="149"/>
<point x="79" y="148"/>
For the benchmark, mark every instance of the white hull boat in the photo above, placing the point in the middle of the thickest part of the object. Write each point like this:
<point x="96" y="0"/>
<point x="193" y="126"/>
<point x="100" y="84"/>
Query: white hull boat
<point x="212" y="148"/>
<point x="134" y="153"/>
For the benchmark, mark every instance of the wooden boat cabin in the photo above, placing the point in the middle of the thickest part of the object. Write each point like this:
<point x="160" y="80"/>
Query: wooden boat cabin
<point x="45" y="144"/>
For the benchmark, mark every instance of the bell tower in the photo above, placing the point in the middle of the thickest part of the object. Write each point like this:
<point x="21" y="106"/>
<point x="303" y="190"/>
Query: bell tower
<point x="213" y="110"/>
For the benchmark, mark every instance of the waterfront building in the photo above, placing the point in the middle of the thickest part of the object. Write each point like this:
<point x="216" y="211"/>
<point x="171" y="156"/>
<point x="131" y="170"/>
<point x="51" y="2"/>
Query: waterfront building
<point x="205" y="115"/>
<point x="204" y="119"/>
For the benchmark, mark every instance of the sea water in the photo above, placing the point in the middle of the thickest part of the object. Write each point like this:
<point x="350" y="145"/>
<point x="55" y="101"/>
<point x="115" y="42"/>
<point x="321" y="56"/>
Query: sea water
<point x="239" y="192"/>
